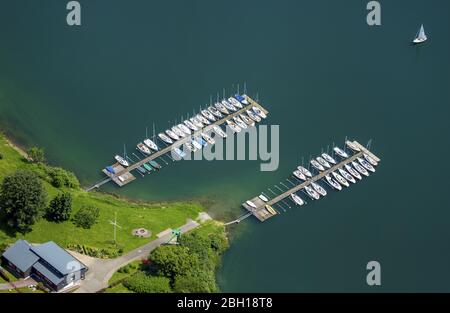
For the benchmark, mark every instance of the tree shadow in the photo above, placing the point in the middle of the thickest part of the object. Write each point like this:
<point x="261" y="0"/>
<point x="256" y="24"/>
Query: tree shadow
<point x="5" y="226"/>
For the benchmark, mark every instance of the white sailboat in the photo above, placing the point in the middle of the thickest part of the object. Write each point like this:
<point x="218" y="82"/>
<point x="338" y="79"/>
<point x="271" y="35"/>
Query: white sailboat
<point x="421" y="36"/>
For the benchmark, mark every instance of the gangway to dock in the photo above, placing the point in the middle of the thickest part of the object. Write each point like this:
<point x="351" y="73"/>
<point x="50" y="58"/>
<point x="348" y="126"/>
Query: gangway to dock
<point x="262" y="213"/>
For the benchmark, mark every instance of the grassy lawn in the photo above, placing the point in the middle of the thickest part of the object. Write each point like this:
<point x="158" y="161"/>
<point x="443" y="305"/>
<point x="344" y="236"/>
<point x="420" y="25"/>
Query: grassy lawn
<point x="118" y="289"/>
<point x="154" y="217"/>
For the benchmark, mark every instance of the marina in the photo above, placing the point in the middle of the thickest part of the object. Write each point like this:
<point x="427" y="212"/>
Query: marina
<point x="356" y="157"/>
<point x="182" y="135"/>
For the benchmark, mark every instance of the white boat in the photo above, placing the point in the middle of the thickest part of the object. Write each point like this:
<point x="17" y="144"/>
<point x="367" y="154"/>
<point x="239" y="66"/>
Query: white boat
<point x="340" y="152"/>
<point x="165" y="138"/>
<point x="122" y="161"/>
<point x="184" y="129"/>
<point x="360" y="168"/>
<point x="317" y="165"/>
<point x="219" y="131"/>
<point x="352" y="171"/>
<point x="352" y="146"/>
<point x="215" y="112"/>
<point x="194" y="120"/>
<point x="190" y="125"/>
<point x="208" y="115"/>
<point x="234" y="102"/>
<point x="259" y="112"/>
<point x="228" y="105"/>
<point x="370" y="160"/>
<point x="323" y="162"/>
<point x="178" y="131"/>
<point x="179" y="152"/>
<point x="319" y="189"/>
<point x="247" y="120"/>
<point x="242" y="99"/>
<point x="221" y="108"/>
<point x="297" y="199"/>
<point x="196" y="144"/>
<point x="304" y="171"/>
<point x="251" y="204"/>
<point x="202" y="119"/>
<point x="151" y="144"/>
<point x="333" y="183"/>
<point x="233" y="126"/>
<point x="253" y="116"/>
<point x="190" y="146"/>
<point x="208" y="138"/>
<point x="340" y="179"/>
<point x="421" y="37"/>
<point x="240" y="123"/>
<point x="312" y="193"/>
<point x="329" y="158"/>
<point x="366" y="164"/>
<point x="347" y="176"/>
<point x="143" y="148"/>
<point x="263" y="198"/>
<point x="299" y="175"/>
<point x="172" y="135"/>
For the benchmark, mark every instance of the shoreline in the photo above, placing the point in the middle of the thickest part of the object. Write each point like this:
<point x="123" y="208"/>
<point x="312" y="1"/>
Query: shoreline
<point x="205" y="202"/>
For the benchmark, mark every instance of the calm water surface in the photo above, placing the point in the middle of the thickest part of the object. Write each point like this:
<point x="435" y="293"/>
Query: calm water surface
<point x="81" y="93"/>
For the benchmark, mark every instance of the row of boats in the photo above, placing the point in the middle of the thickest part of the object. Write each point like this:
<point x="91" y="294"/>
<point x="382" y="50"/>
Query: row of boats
<point x="336" y="179"/>
<point x="193" y="127"/>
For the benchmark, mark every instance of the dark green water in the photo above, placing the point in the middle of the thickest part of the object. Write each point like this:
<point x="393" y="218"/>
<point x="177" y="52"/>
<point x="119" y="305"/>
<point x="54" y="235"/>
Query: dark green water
<point x="320" y="70"/>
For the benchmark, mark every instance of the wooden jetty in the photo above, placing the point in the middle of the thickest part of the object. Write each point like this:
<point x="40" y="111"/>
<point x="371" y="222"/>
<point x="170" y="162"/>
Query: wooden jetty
<point x="122" y="175"/>
<point x="261" y="212"/>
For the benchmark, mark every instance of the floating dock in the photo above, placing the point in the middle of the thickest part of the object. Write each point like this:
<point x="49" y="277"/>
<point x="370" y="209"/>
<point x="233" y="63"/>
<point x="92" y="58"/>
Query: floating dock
<point x="122" y="175"/>
<point x="262" y="213"/>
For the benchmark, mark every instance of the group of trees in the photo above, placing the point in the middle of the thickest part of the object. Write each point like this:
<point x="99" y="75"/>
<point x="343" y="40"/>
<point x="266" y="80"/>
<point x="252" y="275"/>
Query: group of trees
<point x="23" y="198"/>
<point x="186" y="267"/>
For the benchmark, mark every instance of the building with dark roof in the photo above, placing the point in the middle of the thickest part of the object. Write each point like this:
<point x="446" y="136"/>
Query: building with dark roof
<point x="50" y="263"/>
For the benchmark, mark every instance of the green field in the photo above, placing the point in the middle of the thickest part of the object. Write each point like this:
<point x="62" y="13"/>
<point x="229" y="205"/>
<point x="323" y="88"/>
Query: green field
<point x="155" y="217"/>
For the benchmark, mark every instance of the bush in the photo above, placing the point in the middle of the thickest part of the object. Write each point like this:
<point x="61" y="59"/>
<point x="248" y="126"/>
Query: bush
<point x="60" y="208"/>
<point x="22" y="199"/>
<point x="59" y="177"/>
<point x="95" y="252"/>
<point x="86" y="217"/>
<point x="142" y="283"/>
<point x="36" y="155"/>
<point x="174" y="260"/>
<point x="199" y="282"/>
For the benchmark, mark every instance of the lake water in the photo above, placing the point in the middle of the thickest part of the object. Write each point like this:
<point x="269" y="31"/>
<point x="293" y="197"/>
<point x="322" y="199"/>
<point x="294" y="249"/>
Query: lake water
<point x="323" y="74"/>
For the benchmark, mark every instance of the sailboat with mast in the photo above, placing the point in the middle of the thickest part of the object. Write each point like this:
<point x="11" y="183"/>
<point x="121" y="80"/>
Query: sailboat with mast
<point x="421" y="37"/>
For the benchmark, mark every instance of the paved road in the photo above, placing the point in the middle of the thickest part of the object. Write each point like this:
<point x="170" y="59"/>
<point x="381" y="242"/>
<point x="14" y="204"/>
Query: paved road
<point x="100" y="271"/>
<point x="18" y="284"/>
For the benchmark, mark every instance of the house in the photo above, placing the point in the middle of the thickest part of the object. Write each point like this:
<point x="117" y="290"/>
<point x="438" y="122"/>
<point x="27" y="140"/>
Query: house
<point x="47" y="262"/>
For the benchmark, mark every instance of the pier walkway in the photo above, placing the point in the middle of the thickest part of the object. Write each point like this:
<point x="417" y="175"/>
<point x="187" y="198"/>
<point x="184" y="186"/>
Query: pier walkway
<point x="261" y="212"/>
<point x="123" y="175"/>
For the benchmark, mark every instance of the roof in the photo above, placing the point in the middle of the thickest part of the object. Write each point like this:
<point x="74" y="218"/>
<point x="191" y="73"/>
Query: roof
<point x="52" y="276"/>
<point x="57" y="257"/>
<point x="21" y="256"/>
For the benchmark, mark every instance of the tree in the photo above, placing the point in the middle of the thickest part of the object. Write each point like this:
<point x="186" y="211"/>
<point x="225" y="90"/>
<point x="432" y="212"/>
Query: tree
<point x="86" y="217"/>
<point x="202" y="281"/>
<point x="142" y="283"/>
<point x="173" y="260"/>
<point x="22" y="199"/>
<point x="60" y="208"/>
<point x="36" y="154"/>
<point x="59" y="177"/>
